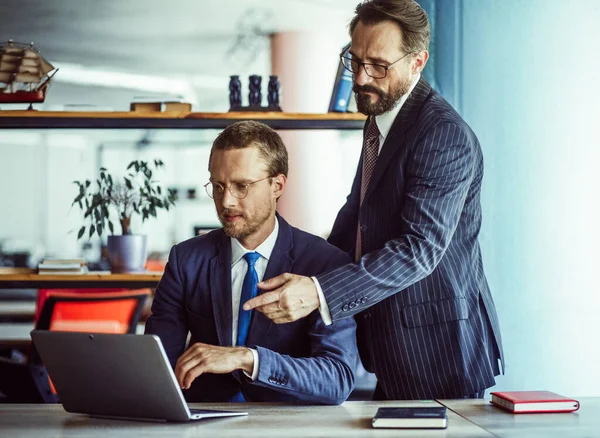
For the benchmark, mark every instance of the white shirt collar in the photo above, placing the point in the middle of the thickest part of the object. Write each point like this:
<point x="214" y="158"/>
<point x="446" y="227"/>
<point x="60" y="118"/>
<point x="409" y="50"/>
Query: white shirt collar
<point x="264" y="249"/>
<point x="385" y="120"/>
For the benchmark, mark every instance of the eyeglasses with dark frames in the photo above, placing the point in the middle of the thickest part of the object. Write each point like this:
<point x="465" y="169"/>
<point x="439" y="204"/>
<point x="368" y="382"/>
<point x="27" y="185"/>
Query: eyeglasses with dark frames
<point x="376" y="71"/>
<point x="239" y="190"/>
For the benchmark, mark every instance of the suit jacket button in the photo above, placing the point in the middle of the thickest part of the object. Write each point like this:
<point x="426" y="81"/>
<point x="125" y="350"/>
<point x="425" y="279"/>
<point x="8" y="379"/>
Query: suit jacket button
<point x="353" y="304"/>
<point x="363" y="228"/>
<point x="363" y="300"/>
<point x="345" y="308"/>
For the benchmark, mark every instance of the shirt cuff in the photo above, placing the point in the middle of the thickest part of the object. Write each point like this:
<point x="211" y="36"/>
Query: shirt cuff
<point x="323" y="307"/>
<point x="254" y="375"/>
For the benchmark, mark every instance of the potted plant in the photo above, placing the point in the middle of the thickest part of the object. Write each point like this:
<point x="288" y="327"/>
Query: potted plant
<point x="138" y="194"/>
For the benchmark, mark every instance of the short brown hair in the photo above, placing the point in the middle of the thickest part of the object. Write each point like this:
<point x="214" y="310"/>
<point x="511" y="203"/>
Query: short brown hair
<point x="249" y="133"/>
<point x="409" y="15"/>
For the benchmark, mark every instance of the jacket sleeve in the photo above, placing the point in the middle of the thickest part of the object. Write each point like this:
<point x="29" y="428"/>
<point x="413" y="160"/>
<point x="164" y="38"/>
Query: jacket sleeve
<point x="168" y="311"/>
<point x="327" y="375"/>
<point x="441" y="173"/>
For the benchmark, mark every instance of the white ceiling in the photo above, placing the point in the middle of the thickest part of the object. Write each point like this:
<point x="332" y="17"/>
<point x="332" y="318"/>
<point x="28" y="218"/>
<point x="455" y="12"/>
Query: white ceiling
<point x="197" y="42"/>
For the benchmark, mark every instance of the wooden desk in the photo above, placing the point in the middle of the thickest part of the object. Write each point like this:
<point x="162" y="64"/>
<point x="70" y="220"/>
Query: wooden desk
<point x="583" y="423"/>
<point x="29" y="279"/>
<point x="352" y="419"/>
<point x="466" y="418"/>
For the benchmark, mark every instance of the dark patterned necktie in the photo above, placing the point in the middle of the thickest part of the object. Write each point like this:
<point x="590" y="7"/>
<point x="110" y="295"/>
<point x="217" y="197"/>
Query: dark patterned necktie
<point x="370" y="153"/>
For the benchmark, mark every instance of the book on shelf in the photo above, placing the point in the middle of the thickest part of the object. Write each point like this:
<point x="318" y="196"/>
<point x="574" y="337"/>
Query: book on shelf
<point x="342" y="87"/>
<point x="411" y="418"/>
<point x="523" y="402"/>
<point x="81" y="262"/>
<point x="162" y="106"/>
<point x="63" y="266"/>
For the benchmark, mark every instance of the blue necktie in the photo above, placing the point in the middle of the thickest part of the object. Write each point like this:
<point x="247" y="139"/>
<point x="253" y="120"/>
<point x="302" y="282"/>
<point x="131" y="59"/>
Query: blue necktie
<point x="249" y="290"/>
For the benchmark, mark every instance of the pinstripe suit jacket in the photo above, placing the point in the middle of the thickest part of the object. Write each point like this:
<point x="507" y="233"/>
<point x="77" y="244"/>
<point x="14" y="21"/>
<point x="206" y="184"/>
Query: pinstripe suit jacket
<point x="427" y="325"/>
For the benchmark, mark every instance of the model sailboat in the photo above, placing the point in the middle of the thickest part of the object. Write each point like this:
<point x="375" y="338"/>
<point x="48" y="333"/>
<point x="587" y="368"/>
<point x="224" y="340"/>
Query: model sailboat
<point x="24" y="74"/>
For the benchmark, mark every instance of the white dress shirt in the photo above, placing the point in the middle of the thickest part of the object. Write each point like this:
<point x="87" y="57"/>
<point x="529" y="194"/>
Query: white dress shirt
<point x="239" y="268"/>
<point x="384" y="124"/>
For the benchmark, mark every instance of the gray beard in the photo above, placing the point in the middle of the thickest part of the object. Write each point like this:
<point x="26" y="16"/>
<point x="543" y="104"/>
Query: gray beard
<point x="386" y="101"/>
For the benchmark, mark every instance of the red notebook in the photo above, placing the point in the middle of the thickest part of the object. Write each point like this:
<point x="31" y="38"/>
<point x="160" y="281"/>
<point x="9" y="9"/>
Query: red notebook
<point x="523" y="402"/>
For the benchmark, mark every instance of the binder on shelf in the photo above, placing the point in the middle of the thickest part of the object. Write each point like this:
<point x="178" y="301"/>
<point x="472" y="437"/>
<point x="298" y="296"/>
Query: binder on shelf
<point x="342" y="87"/>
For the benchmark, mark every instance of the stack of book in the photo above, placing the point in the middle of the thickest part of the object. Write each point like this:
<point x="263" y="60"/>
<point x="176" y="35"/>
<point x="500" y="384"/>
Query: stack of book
<point x="62" y="266"/>
<point x="160" y="106"/>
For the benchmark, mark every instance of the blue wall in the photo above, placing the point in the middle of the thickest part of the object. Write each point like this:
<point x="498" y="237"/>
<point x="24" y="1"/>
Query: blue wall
<point x="527" y="82"/>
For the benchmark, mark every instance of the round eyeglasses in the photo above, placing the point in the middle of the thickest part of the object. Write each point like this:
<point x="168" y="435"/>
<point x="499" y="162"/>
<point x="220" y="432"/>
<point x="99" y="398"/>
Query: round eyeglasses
<point x="239" y="190"/>
<point x="376" y="71"/>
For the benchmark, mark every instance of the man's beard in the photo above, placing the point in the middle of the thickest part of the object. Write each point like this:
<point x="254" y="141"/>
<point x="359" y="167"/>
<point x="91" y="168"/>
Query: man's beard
<point x="249" y="227"/>
<point x="386" y="101"/>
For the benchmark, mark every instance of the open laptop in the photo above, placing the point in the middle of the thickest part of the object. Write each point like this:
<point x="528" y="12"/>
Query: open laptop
<point x="115" y="376"/>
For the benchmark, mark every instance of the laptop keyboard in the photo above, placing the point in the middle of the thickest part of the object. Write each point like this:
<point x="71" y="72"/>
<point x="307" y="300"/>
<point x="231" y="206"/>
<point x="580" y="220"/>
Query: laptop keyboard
<point x="202" y="411"/>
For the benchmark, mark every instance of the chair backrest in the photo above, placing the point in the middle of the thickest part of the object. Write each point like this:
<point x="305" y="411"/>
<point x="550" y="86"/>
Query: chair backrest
<point x="105" y="312"/>
<point x="42" y="294"/>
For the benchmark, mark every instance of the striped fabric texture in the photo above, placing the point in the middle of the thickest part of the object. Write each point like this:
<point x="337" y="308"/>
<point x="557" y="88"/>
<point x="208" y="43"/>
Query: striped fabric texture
<point x="369" y="159"/>
<point x="427" y="324"/>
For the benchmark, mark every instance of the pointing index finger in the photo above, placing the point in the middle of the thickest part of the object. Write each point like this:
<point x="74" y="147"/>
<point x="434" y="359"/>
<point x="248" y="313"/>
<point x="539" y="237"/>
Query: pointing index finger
<point x="261" y="300"/>
<point x="275" y="282"/>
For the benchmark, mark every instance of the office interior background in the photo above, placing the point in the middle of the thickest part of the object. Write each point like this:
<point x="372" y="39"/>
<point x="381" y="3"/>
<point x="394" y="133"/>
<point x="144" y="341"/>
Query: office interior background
<point x="523" y="74"/>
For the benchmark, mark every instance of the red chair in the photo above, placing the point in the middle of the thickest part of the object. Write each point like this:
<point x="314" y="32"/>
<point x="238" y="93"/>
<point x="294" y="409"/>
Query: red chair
<point x="108" y="312"/>
<point x="43" y="293"/>
<point x="105" y="312"/>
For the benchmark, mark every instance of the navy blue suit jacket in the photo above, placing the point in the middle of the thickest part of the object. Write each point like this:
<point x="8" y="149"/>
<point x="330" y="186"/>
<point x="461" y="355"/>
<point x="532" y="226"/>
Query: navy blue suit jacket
<point x="427" y="325"/>
<point x="305" y="361"/>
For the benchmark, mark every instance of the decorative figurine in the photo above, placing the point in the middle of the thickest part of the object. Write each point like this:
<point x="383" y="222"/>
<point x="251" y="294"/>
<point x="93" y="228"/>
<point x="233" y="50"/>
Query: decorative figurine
<point x="24" y="74"/>
<point x="255" y="95"/>
<point x="273" y="94"/>
<point x="235" y="93"/>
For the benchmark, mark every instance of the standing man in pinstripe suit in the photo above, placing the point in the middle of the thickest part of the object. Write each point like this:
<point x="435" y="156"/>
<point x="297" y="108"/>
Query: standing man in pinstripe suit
<point x="427" y="325"/>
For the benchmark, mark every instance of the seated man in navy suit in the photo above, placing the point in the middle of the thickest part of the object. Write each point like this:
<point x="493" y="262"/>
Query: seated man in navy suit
<point x="237" y="355"/>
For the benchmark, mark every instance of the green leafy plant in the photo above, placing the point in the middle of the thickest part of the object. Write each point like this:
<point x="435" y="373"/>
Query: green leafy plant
<point x="138" y="194"/>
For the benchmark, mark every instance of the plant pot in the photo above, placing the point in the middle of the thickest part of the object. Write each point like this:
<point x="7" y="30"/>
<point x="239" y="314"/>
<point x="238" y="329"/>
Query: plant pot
<point x="127" y="253"/>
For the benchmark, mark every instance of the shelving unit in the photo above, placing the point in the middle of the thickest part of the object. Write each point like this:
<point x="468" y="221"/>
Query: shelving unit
<point x="23" y="278"/>
<point x="174" y="120"/>
<point x="32" y="119"/>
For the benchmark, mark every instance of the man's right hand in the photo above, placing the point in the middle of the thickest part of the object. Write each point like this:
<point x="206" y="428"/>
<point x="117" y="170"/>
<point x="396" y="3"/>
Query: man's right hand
<point x="204" y="358"/>
<point x="290" y="298"/>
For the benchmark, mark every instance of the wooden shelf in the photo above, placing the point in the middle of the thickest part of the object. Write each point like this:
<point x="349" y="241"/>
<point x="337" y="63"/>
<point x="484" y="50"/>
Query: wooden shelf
<point x="173" y="120"/>
<point x="29" y="279"/>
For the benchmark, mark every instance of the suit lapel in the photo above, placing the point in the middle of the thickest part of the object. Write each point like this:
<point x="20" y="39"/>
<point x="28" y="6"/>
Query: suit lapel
<point x="397" y="135"/>
<point x="220" y="290"/>
<point x="279" y="263"/>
